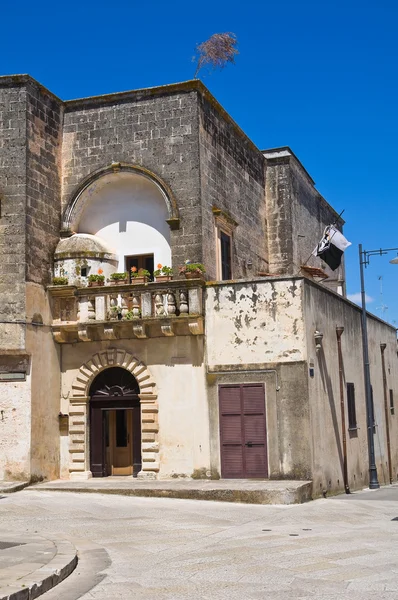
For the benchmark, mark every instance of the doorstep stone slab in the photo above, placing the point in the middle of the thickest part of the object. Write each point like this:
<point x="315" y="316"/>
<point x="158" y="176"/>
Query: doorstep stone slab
<point x="31" y="564"/>
<point x="9" y="487"/>
<point x="238" y="490"/>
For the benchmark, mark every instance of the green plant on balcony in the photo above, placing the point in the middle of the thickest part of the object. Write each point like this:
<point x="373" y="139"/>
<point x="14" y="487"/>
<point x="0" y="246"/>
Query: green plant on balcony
<point x="60" y="281"/>
<point x="119" y="277"/>
<point x="163" y="273"/>
<point x="192" y="270"/>
<point x="96" y="279"/>
<point x="139" y="275"/>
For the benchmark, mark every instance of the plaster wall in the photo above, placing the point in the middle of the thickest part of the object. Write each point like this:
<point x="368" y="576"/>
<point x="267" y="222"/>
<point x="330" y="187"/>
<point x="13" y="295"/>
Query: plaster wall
<point x="15" y="429"/>
<point x="176" y="365"/>
<point x="254" y="322"/>
<point x="324" y="311"/>
<point x="45" y="387"/>
<point x="255" y="333"/>
<point x="129" y="213"/>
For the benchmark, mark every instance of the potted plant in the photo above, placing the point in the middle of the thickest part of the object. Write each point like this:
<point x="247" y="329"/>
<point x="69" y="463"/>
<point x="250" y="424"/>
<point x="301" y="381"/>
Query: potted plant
<point x="96" y="280"/>
<point x="163" y="273"/>
<point x="139" y="275"/>
<point x="119" y="278"/>
<point x="192" y="270"/>
<point x="60" y="281"/>
<point x="115" y="312"/>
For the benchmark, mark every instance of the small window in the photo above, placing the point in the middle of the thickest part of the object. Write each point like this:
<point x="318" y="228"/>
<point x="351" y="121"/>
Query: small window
<point x="392" y="402"/>
<point x="224" y="255"/>
<point x="352" y="416"/>
<point x="140" y="261"/>
<point x="83" y="271"/>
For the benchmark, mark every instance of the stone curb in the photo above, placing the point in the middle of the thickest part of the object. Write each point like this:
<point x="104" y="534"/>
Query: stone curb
<point x="35" y="584"/>
<point x="283" y="496"/>
<point x="13" y="487"/>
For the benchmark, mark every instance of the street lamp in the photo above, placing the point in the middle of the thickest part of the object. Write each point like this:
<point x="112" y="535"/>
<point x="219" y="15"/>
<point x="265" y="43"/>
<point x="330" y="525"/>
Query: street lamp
<point x="364" y="256"/>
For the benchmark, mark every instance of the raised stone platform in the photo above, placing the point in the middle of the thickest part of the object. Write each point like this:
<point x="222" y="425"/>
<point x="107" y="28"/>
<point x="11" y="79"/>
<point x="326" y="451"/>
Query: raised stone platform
<point x="31" y="564"/>
<point x="247" y="491"/>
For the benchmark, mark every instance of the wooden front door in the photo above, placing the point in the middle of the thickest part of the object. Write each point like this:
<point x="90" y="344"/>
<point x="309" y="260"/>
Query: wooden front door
<point x="119" y="453"/>
<point x="243" y="431"/>
<point x="115" y="424"/>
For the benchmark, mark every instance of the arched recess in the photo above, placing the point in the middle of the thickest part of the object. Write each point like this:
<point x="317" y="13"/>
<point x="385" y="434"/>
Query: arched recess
<point x="78" y="412"/>
<point x="78" y="197"/>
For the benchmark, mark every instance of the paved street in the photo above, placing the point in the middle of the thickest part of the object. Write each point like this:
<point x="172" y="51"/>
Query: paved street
<point x="143" y="548"/>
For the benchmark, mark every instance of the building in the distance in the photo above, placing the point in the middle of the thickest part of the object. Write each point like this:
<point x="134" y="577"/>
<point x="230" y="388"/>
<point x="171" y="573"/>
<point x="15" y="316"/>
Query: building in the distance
<point x="236" y="375"/>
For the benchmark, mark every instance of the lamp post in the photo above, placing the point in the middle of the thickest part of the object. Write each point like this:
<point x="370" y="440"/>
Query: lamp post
<point x="364" y="256"/>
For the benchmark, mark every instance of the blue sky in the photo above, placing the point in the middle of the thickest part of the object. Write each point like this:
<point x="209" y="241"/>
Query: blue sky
<point x="320" y="77"/>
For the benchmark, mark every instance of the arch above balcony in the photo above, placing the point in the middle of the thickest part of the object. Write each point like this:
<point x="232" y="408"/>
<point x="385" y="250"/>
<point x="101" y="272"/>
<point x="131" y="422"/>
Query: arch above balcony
<point x="112" y="173"/>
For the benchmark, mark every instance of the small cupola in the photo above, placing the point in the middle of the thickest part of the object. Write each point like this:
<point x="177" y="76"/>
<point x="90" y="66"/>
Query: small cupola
<point x="82" y="254"/>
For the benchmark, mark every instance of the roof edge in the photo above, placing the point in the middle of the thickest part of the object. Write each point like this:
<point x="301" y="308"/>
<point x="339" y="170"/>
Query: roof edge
<point x="24" y="79"/>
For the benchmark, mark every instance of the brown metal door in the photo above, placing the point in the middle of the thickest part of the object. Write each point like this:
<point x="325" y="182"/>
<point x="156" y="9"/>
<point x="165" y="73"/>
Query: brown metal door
<point x="243" y="431"/>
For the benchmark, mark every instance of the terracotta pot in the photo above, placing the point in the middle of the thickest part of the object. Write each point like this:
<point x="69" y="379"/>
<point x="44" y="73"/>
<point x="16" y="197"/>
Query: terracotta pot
<point x="119" y="281"/>
<point x="164" y="277"/>
<point x="137" y="280"/>
<point x="193" y="275"/>
<point x="96" y="283"/>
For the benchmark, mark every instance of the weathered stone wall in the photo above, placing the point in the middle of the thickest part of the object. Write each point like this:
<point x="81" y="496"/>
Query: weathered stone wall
<point x="45" y="386"/>
<point x="13" y="211"/>
<point x="43" y="181"/>
<point x="324" y="311"/>
<point x="156" y="131"/>
<point x="297" y="216"/>
<point x="232" y="180"/>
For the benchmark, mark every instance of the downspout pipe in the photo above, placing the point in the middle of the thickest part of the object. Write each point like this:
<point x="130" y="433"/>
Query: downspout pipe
<point x="339" y="333"/>
<point x="383" y="364"/>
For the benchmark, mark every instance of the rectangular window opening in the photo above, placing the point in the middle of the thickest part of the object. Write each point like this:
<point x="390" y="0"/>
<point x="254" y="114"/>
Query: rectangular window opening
<point x="392" y="410"/>
<point x="352" y="417"/>
<point x="140" y="261"/>
<point x="224" y="255"/>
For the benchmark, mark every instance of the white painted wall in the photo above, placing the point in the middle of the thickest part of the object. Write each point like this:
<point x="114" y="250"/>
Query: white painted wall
<point x="255" y="322"/>
<point x="128" y="212"/>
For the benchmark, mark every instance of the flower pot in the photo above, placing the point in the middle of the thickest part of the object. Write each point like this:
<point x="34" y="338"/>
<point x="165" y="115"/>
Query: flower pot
<point x="137" y="280"/>
<point x="164" y="278"/>
<point x="119" y="281"/>
<point x="95" y="283"/>
<point x="193" y="275"/>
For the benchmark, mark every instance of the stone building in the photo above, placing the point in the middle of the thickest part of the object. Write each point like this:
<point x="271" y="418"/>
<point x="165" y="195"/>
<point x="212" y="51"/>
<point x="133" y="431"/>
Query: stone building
<point x="235" y="376"/>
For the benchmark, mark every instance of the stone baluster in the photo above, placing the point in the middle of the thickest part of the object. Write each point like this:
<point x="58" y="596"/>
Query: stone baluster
<point x="125" y="300"/>
<point x="183" y="302"/>
<point x="113" y="307"/>
<point x="159" y="307"/>
<point x="78" y="309"/>
<point x="171" y="303"/>
<point x="90" y="308"/>
<point x="136" y="305"/>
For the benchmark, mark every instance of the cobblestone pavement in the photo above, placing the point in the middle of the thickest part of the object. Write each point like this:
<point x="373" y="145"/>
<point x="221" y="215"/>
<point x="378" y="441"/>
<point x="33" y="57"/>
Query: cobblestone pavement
<point x="166" y="549"/>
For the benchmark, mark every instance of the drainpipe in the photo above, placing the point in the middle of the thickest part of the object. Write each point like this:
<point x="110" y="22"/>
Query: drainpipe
<point x="339" y="333"/>
<point x="383" y="364"/>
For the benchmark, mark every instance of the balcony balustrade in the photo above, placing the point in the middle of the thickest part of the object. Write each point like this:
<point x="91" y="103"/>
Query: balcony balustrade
<point x="127" y="311"/>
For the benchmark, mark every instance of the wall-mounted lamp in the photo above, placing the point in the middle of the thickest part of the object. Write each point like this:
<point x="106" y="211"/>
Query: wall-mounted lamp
<point x="318" y="340"/>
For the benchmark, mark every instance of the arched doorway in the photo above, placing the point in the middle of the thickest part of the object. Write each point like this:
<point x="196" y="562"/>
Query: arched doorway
<point x="115" y="424"/>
